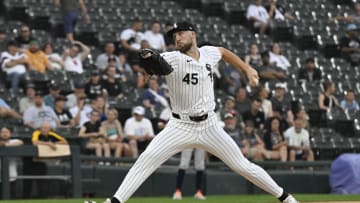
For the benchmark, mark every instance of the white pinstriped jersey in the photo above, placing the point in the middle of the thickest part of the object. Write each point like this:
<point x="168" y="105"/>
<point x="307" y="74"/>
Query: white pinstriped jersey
<point x="191" y="82"/>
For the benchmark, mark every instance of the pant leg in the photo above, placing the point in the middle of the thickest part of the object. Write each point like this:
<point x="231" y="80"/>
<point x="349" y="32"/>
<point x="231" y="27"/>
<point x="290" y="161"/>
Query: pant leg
<point x="14" y="79"/>
<point x="185" y="159"/>
<point x="70" y="21"/>
<point x="218" y="142"/>
<point x="168" y="142"/>
<point x="199" y="159"/>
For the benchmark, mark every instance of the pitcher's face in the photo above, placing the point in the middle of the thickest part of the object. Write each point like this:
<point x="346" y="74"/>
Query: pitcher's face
<point x="183" y="40"/>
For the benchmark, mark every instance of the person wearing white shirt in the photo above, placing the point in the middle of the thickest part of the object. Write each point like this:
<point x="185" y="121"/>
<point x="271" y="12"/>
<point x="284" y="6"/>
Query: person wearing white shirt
<point x="155" y="38"/>
<point x="299" y="142"/>
<point x="35" y="115"/>
<point x="13" y="63"/>
<point x="131" y="38"/>
<point x="138" y="130"/>
<point x="81" y="112"/>
<point x="266" y="105"/>
<point x="278" y="12"/>
<point x="7" y="141"/>
<point x="54" y="58"/>
<point x="73" y="57"/>
<point x="102" y="61"/>
<point x="259" y="15"/>
<point x="277" y="58"/>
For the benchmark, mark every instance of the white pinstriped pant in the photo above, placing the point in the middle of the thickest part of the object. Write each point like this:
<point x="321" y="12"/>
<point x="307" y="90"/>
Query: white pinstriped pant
<point x="199" y="159"/>
<point x="179" y="135"/>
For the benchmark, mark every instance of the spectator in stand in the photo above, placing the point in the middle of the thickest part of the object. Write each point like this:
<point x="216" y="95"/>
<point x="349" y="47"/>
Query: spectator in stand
<point x="35" y="115"/>
<point x="253" y="58"/>
<point x="258" y="15"/>
<point x="54" y="92"/>
<point x="153" y="97"/>
<point x="81" y="112"/>
<point x="93" y="87"/>
<point x="139" y="131"/>
<point x="43" y="136"/>
<point x="169" y="41"/>
<point x="114" y="133"/>
<point x="279" y="101"/>
<point x="229" y="107"/>
<point x="99" y="104"/>
<point x="24" y="39"/>
<point x="28" y="100"/>
<point x="70" y="13"/>
<point x="6" y="111"/>
<point x="13" y="63"/>
<point x="350" y="45"/>
<point x="112" y="62"/>
<point x="267" y="71"/>
<point x="255" y="114"/>
<point x="278" y="59"/>
<point x="102" y="61"/>
<point x="277" y="12"/>
<point x="64" y="115"/>
<point x="130" y="40"/>
<point x="7" y="141"/>
<point x="266" y="106"/>
<point x="95" y="137"/>
<point x="144" y="44"/>
<point x="352" y="18"/>
<point x="155" y="38"/>
<point x="125" y="67"/>
<point x="327" y="101"/>
<point x="280" y="115"/>
<point x="112" y="85"/>
<point x="37" y="60"/>
<point x="74" y="58"/>
<point x="298" y="140"/>
<point x="252" y="145"/>
<point x="79" y="91"/>
<point x="233" y="128"/>
<point x="242" y="102"/>
<point x="349" y="103"/>
<point x="233" y="79"/>
<point x="310" y="73"/>
<point x="301" y="114"/>
<point x="46" y="136"/>
<point x="54" y="58"/>
<point x="275" y="142"/>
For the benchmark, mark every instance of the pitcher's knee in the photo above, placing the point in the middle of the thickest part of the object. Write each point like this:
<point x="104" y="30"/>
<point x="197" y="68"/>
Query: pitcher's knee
<point x="246" y="169"/>
<point x="150" y="155"/>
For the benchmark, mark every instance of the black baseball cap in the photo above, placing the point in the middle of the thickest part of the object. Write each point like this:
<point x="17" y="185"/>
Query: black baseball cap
<point x="54" y="86"/>
<point x="60" y="98"/>
<point x="181" y="26"/>
<point x="79" y="85"/>
<point x="95" y="72"/>
<point x="12" y="43"/>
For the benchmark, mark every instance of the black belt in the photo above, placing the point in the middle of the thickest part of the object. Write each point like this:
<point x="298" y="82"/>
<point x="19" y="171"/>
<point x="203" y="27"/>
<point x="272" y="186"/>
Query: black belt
<point x="192" y="118"/>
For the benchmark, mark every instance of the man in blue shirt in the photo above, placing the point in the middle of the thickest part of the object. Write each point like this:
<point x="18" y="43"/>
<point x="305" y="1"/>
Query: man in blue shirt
<point x="349" y="102"/>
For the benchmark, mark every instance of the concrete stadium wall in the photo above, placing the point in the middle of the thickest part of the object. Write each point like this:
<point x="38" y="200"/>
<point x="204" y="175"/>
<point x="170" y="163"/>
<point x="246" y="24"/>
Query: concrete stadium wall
<point x="162" y="182"/>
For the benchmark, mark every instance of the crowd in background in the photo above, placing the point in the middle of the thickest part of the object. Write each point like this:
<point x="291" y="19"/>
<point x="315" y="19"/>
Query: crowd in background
<point x="266" y="123"/>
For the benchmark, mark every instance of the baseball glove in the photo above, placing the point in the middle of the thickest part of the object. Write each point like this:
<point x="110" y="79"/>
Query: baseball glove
<point x="154" y="63"/>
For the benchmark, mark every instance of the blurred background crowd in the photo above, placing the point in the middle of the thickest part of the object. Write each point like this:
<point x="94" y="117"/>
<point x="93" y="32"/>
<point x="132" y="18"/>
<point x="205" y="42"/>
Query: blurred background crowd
<point x="72" y="66"/>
